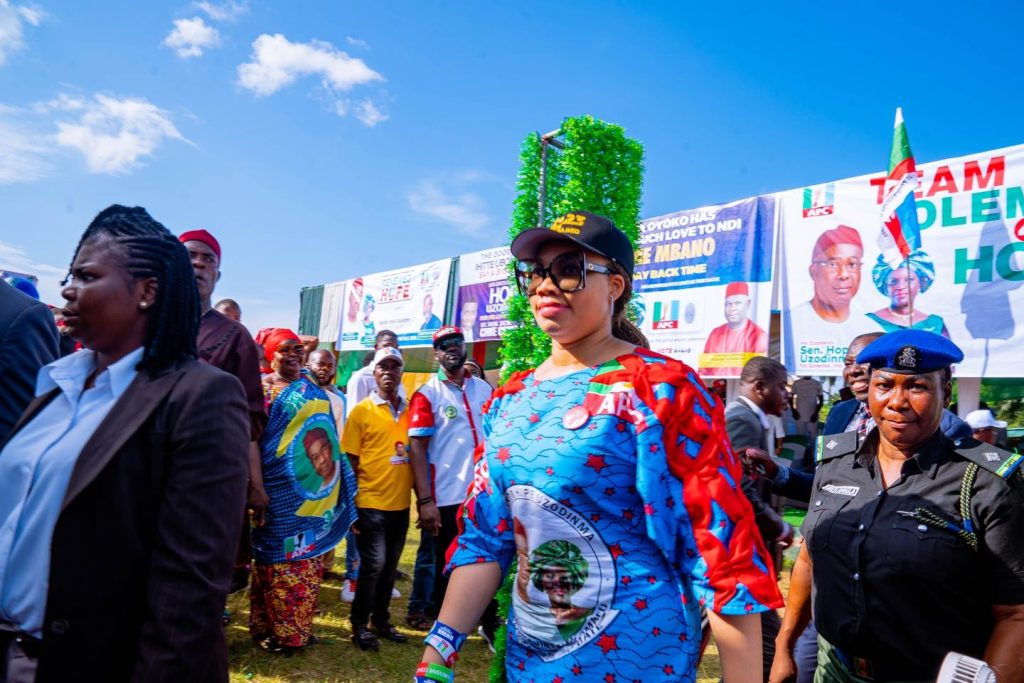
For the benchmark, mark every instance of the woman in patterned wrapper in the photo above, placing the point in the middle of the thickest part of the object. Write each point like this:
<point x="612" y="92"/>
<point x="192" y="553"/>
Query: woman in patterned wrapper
<point x="617" y="458"/>
<point x="559" y="569"/>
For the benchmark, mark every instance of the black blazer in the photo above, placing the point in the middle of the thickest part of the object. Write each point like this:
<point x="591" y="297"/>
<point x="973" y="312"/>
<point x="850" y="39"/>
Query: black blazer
<point x="143" y="549"/>
<point x="28" y="341"/>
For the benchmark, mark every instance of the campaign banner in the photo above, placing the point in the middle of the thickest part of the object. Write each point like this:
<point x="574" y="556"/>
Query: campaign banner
<point x="965" y="282"/>
<point x="408" y="301"/>
<point x="703" y="278"/>
<point x="484" y="289"/>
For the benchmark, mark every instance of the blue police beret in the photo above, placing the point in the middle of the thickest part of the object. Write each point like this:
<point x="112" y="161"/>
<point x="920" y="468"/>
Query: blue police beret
<point x="911" y="352"/>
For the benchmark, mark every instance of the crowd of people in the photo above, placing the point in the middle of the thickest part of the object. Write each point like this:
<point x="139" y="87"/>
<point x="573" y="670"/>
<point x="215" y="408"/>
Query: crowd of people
<point x="154" y="457"/>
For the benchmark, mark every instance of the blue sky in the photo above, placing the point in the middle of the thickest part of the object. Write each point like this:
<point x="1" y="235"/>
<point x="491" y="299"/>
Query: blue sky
<point x="324" y="140"/>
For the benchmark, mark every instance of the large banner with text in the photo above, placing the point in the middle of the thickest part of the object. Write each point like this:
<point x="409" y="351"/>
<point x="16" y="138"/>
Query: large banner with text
<point x="965" y="282"/>
<point x="408" y="301"/>
<point x="484" y="289"/>
<point x="704" y="282"/>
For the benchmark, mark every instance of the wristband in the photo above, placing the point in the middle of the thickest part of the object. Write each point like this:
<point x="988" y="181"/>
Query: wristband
<point x="446" y="641"/>
<point x="424" y="500"/>
<point x="433" y="672"/>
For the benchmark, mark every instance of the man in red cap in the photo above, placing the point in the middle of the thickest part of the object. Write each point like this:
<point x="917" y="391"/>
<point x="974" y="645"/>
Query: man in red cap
<point x="226" y="344"/>
<point x="739" y="334"/>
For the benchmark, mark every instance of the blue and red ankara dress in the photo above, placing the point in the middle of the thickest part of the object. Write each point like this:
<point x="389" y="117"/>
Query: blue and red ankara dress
<point x="616" y="492"/>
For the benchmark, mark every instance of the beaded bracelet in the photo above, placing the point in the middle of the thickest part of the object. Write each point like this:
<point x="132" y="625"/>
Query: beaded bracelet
<point x="446" y="640"/>
<point x="425" y="673"/>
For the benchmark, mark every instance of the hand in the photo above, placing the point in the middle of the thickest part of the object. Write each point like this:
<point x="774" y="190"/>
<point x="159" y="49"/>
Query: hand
<point x="355" y="527"/>
<point x="430" y="518"/>
<point x="259" y="501"/>
<point x="783" y="666"/>
<point x="785" y="539"/>
<point x="756" y="461"/>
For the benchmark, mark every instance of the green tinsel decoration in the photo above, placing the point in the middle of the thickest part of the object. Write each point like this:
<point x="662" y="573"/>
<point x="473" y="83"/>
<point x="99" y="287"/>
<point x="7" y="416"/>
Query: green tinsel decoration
<point x="600" y="170"/>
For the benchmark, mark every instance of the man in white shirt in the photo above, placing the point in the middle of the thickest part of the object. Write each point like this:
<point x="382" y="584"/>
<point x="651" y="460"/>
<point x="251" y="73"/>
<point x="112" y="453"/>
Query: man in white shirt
<point x="445" y="427"/>
<point x="361" y="384"/>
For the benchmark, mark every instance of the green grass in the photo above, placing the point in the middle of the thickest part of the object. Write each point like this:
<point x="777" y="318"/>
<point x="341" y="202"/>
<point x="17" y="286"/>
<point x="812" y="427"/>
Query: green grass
<point x="336" y="660"/>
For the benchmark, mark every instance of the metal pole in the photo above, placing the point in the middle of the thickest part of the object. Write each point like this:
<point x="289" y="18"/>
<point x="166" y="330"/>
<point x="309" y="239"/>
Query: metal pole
<point x="542" y="189"/>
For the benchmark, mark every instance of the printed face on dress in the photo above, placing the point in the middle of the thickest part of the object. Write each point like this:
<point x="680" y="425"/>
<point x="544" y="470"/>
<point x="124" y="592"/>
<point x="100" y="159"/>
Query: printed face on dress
<point x="904" y="285"/>
<point x="569" y="316"/>
<point x="908" y="408"/>
<point x="105" y="310"/>
<point x="288" y="359"/>
<point x="323" y="366"/>
<point x="857" y="376"/>
<point x="559" y="586"/>
<point x="319" y="453"/>
<point x="737" y="308"/>
<point x="836" y="275"/>
<point x="206" y="266"/>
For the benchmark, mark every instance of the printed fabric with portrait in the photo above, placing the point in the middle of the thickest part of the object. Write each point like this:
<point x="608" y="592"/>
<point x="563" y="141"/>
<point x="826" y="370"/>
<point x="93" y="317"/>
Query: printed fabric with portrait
<point x="616" y="492"/>
<point x="309" y="482"/>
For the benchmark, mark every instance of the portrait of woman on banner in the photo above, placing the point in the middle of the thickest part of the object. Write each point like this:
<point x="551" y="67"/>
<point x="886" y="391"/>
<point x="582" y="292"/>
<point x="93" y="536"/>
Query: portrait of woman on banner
<point x="903" y="282"/>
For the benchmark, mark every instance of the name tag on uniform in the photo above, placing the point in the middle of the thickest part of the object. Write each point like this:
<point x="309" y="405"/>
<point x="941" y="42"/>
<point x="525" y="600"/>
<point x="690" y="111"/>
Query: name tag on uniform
<point x="841" y="490"/>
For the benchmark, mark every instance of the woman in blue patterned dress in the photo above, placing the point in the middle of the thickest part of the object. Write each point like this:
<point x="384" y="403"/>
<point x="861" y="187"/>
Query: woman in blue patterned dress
<point x="607" y="477"/>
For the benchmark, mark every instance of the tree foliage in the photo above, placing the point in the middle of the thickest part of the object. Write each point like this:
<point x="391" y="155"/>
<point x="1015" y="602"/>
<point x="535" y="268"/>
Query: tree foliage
<point x="599" y="170"/>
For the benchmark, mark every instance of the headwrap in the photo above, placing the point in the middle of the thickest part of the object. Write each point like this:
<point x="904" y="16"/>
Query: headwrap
<point x="277" y="337"/>
<point x="204" y="237"/>
<point x="841" y="234"/>
<point x="918" y="260"/>
<point x="561" y="554"/>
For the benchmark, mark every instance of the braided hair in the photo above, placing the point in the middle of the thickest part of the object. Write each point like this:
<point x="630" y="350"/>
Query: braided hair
<point x="150" y="250"/>
<point x="622" y="327"/>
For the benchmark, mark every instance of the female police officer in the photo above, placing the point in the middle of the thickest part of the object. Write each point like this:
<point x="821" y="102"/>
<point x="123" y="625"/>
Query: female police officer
<point x="915" y="542"/>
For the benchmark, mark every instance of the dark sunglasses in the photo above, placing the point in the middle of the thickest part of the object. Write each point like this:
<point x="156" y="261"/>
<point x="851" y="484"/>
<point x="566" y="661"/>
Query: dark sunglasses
<point x="568" y="272"/>
<point x="450" y="343"/>
<point x="284" y="349"/>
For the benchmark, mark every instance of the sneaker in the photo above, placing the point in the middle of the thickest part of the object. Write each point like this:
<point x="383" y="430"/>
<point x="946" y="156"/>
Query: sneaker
<point x="395" y="594"/>
<point x="364" y="639"/>
<point x="488" y="634"/>
<point x="348" y="591"/>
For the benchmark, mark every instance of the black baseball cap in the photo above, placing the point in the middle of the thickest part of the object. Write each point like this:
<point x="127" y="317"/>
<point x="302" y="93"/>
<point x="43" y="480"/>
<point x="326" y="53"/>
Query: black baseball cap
<point x="589" y="230"/>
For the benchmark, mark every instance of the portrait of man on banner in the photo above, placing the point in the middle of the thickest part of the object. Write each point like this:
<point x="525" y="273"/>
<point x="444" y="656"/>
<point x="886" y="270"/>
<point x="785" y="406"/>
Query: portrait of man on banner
<point x="739" y="337"/>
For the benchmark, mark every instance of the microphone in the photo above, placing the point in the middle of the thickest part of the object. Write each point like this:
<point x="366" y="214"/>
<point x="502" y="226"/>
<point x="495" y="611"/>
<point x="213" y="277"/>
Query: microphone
<point x="958" y="668"/>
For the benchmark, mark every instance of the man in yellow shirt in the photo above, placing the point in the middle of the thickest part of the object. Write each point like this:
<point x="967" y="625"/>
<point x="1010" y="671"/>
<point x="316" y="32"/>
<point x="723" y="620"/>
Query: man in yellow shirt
<point x="376" y="439"/>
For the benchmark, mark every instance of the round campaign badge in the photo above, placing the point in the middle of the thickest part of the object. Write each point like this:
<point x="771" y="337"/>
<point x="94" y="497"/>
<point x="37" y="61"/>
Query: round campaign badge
<point x="450" y="412"/>
<point x="576" y="417"/>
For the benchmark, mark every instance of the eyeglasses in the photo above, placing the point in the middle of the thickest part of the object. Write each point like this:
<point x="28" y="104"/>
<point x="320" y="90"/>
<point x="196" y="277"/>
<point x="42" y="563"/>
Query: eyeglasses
<point x="568" y="272"/>
<point x="284" y="349"/>
<point x="450" y="343"/>
<point x="834" y="265"/>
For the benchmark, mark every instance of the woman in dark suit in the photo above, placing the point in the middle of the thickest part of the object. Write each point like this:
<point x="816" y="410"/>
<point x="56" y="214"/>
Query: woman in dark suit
<point x="120" y="485"/>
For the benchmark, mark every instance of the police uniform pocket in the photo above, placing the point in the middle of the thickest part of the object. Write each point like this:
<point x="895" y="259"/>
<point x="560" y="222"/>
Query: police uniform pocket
<point x="821" y="516"/>
<point x="920" y="547"/>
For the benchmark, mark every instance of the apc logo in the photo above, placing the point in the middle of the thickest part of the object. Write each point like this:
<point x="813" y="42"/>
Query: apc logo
<point x="819" y="200"/>
<point x="666" y="317"/>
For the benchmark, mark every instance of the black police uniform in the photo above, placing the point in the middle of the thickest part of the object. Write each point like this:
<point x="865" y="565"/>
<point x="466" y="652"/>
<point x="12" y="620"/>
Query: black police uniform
<point x="900" y="579"/>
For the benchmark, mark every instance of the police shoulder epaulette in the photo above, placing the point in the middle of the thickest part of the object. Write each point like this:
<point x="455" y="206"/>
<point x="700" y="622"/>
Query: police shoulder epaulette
<point x="997" y="461"/>
<point x="834" y="445"/>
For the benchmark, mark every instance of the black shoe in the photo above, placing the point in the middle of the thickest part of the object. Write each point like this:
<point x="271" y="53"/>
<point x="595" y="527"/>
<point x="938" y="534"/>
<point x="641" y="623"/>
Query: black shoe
<point x="391" y="633"/>
<point x="362" y="637"/>
<point x="400" y="575"/>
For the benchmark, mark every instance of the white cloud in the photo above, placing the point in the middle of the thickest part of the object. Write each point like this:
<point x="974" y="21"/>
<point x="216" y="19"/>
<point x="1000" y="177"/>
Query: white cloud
<point x="369" y="114"/>
<point x="190" y="37"/>
<point x="13" y="257"/>
<point x="449" y="200"/>
<point x="276" y="62"/>
<point x="114" y="134"/>
<point x="25" y="150"/>
<point x="12" y="30"/>
<point x="224" y="11"/>
<point x="356" y="42"/>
